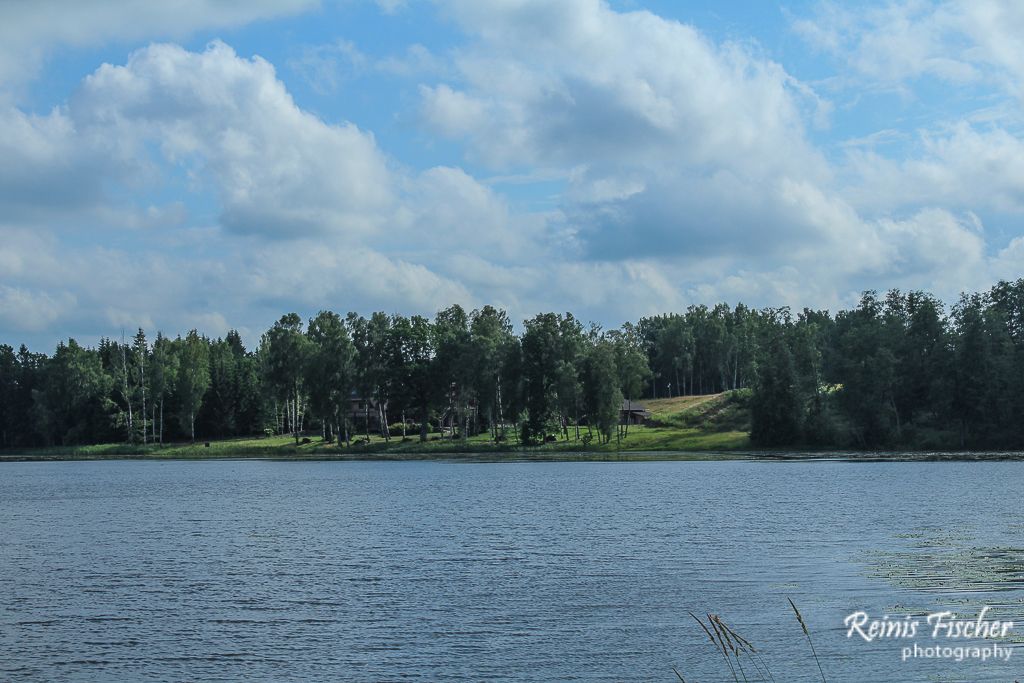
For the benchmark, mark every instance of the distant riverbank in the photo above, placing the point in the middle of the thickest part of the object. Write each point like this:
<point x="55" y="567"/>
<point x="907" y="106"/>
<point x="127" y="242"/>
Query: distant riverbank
<point x="284" y="448"/>
<point x="684" y="428"/>
<point x="678" y="429"/>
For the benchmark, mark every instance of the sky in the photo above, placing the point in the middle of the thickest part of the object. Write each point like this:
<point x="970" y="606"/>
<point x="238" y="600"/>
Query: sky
<point x="213" y="164"/>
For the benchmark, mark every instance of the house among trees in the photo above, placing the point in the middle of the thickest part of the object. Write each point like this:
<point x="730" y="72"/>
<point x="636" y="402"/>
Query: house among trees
<point x="366" y="414"/>
<point x="633" y="413"/>
<point x="454" y="419"/>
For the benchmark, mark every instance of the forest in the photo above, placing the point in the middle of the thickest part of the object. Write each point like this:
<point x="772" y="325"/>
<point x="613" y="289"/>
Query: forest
<point x="897" y="371"/>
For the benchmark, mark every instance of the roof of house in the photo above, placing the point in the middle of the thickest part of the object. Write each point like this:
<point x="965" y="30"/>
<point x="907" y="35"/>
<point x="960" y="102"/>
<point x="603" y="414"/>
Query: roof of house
<point x="633" y="406"/>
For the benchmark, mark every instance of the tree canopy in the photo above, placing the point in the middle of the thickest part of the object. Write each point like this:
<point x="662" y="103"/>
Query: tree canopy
<point x="896" y="370"/>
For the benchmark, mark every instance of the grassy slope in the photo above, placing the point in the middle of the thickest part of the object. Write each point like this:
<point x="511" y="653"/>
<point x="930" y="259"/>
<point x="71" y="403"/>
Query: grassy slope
<point x="687" y="425"/>
<point x="712" y="422"/>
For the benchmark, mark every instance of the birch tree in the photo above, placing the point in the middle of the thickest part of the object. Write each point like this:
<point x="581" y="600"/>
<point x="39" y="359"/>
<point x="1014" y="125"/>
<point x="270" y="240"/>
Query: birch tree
<point x="140" y="351"/>
<point x="286" y="348"/>
<point x="193" y="377"/>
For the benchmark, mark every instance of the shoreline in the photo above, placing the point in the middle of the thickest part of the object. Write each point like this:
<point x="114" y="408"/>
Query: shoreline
<point x="527" y="456"/>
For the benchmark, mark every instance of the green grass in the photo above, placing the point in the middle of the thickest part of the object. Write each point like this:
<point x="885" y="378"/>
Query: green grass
<point x="694" y="427"/>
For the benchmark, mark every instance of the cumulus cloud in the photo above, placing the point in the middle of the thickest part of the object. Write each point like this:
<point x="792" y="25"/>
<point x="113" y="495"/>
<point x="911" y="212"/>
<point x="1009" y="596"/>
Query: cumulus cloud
<point x="682" y="152"/>
<point x="278" y="170"/>
<point x="679" y="170"/>
<point x="955" y="41"/>
<point x="676" y="149"/>
<point x="30" y="30"/>
<point x="960" y="166"/>
<point x="576" y="82"/>
<point x="311" y="214"/>
<point x="31" y="310"/>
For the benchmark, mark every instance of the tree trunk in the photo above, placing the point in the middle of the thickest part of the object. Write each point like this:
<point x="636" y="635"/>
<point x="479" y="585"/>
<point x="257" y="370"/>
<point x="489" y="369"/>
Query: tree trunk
<point x="899" y="426"/>
<point x="629" y="413"/>
<point x="382" y="417"/>
<point x="451" y="413"/>
<point x="127" y="397"/>
<point x="424" y="416"/>
<point x="501" y="417"/>
<point x="142" y="362"/>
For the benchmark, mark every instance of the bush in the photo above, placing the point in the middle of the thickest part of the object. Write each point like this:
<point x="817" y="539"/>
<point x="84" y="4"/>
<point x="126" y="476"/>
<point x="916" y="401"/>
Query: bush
<point x="410" y="428"/>
<point x="741" y="397"/>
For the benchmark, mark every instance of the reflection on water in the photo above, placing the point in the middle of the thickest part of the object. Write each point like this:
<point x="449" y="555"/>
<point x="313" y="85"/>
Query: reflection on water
<point x="432" y="571"/>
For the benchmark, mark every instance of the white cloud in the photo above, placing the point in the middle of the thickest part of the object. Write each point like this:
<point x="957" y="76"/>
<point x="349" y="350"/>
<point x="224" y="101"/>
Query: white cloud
<point x="578" y="83"/>
<point x="683" y="171"/>
<point x="31" y="310"/>
<point x="326" y="67"/>
<point x="1008" y="264"/>
<point x="962" y="166"/>
<point x="453" y="113"/>
<point x="30" y="30"/>
<point x="683" y="152"/>
<point x="956" y="41"/>
<point x="279" y="171"/>
<point x="311" y="214"/>
<point x="390" y="6"/>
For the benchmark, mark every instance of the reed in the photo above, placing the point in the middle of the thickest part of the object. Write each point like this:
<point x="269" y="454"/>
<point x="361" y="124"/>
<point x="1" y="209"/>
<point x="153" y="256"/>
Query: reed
<point x="735" y="649"/>
<point x="807" y="633"/>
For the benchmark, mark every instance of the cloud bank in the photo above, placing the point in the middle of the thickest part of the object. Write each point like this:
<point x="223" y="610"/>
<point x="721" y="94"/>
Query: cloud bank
<point x="184" y="188"/>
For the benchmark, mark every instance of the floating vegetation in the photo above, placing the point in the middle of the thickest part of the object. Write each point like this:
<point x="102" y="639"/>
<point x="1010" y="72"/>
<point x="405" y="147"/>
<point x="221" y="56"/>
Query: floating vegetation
<point x="969" y="576"/>
<point x="951" y="569"/>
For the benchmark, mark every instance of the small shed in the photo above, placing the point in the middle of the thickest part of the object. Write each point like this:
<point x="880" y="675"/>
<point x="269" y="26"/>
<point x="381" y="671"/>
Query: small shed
<point x="633" y="413"/>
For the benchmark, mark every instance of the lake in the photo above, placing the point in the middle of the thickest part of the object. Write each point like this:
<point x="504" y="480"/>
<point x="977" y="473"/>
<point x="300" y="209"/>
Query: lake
<point x="435" y="571"/>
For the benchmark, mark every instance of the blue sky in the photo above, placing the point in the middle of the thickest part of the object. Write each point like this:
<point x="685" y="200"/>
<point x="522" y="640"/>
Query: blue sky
<point x="215" y="164"/>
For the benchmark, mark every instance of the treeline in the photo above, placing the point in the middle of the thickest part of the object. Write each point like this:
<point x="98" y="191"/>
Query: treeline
<point x="896" y="371"/>
<point x="337" y="377"/>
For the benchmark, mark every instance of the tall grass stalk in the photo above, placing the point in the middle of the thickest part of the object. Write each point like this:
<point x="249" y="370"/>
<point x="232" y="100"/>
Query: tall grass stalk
<point x="733" y="647"/>
<point x="803" y="625"/>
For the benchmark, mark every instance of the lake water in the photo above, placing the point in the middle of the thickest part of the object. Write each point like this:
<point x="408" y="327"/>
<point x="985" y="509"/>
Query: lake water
<point x="433" y="571"/>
